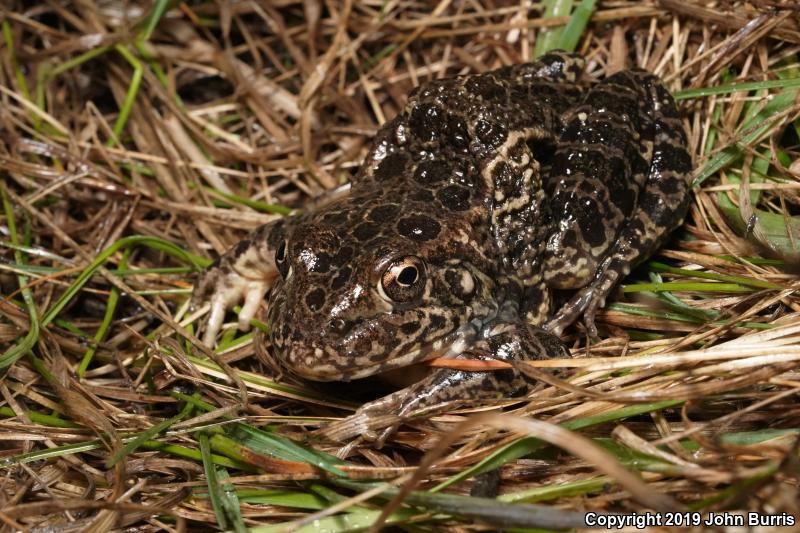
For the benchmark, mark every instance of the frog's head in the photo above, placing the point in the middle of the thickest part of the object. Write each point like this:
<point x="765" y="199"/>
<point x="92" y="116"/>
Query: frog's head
<point x="367" y="289"/>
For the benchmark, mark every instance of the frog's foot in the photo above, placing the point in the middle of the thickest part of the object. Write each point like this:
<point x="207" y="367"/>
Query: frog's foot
<point x="586" y="302"/>
<point x="377" y="420"/>
<point x="223" y="291"/>
<point x="243" y="273"/>
<point x="374" y="421"/>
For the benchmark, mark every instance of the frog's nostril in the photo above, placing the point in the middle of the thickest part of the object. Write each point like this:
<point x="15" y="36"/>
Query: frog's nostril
<point x="340" y="325"/>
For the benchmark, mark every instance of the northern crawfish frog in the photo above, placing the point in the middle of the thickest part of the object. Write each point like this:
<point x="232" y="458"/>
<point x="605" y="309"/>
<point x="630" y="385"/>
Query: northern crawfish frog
<point x="485" y="194"/>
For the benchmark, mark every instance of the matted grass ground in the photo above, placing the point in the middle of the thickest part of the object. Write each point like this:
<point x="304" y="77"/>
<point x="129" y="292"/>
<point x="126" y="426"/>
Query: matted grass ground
<point x="139" y="139"/>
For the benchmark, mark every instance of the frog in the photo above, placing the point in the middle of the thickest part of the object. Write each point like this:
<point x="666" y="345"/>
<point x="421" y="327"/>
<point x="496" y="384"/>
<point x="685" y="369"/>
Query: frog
<point x="484" y="198"/>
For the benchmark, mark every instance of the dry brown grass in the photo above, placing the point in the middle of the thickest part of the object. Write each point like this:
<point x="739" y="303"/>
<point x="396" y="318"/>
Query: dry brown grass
<point x="243" y="110"/>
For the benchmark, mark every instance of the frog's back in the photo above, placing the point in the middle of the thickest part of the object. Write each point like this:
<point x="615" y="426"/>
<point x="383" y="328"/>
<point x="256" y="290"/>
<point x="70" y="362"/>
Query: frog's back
<point x="451" y="128"/>
<point x="466" y="151"/>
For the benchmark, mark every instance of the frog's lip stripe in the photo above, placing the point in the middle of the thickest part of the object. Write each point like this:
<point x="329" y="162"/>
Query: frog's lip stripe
<point x="440" y="347"/>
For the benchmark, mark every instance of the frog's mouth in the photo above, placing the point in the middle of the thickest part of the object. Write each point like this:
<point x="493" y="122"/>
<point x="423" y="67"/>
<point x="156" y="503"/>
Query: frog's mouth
<point x="330" y="364"/>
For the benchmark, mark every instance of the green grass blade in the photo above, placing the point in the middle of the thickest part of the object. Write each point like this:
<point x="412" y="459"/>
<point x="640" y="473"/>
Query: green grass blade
<point x="130" y="95"/>
<point x="488" y="510"/>
<point x="41" y="418"/>
<point x="686" y="286"/>
<point x="147" y="435"/>
<point x="26" y="344"/>
<point x="741" y="280"/>
<point x="260" y="441"/>
<point x="526" y="445"/>
<point x="269" y="443"/>
<point x="214" y="490"/>
<point x="105" y="324"/>
<point x="548" y="38"/>
<point x="781" y="230"/>
<point x="560" y="490"/>
<point x="263" y="207"/>
<point x="19" y="75"/>
<point x="230" y="502"/>
<point x="284" y="498"/>
<point x="133" y="240"/>
<point x="576" y="26"/>
<point x="755" y="130"/>
<point x="791" y="83"/>
<point x="153" y="17"/>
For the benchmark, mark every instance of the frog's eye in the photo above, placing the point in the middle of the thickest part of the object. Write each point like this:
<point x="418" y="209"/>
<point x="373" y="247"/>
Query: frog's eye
<point x="403" y="280"/>
<point x="280" y="259"/>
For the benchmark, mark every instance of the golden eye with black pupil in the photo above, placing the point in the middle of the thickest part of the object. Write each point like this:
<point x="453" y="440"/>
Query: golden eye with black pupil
<point x="280" y="259"/>
<point x="407" y="276"/>
<point x="403" y="280"/>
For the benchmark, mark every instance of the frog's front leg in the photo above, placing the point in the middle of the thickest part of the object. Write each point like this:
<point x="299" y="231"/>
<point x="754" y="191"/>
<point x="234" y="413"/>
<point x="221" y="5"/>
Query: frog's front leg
<point x="503" y="341"/>
<point x="243" y="273"/>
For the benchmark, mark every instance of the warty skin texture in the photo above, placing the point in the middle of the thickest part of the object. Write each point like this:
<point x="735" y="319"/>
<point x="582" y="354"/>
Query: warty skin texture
<point x="483" y="196"/>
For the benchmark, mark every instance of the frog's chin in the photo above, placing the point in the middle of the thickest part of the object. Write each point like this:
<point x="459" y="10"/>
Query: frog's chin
<point x="315" y="364"/>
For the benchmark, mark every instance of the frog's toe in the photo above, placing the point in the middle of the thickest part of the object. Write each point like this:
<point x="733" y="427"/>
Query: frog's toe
<point x="347" y="428"/>
<point x="226" y="291"/>
<point x="571" y="311"/>
<point x="214" y="323"/>
<point x="589" y="316"/>
<point x="366" y="423"/>
<point x="381" y="438"/>
<point x="216" y="317"/>
<point x="253" y="296"/>
<point x="556" y="325"/>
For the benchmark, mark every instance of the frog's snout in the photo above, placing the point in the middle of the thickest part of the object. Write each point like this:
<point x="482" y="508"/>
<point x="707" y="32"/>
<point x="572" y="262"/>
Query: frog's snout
<point x="309" y="362"/>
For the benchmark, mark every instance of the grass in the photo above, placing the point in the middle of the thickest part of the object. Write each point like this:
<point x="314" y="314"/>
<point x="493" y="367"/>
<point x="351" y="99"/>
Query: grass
<point x="137" y="145"/>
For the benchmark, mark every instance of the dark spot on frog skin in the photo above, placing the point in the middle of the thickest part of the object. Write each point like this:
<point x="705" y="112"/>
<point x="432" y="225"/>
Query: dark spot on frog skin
<point x="365" y="231"/>
<point x="384" y="213"/>
<point x="425" y="122"/>
<point x="422" y="195"/>
<point x="343" y="256"/>
<point x="435" y="323"/>
<point x="272" y="233"/>
<point x="626" y="200"/>
<point x="241" y="247"/>
<point x="322" y="263"/>
<point x="461" y="284"/>
<point x="341" y="278"/>
<point x="315" y="299"/>
<point x="410" y="327"/>
<point x="669" y="156"/>
<point x="592" y="222"/>
<point x="486" y="87"/>
<point x="391" y="167"/>
<point x="454" y="197"/>
<point x="457" y="133"/>
<point x="554" y="65"/>
<point x="490" y="133"/>
<point x="542" y="151"/>
<point x="418" y="227"/>
<point x="431" y="172"/>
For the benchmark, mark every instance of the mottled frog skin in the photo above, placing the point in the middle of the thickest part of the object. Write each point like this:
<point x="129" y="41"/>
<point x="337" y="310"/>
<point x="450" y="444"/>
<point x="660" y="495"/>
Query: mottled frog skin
<point x="483" y="196"/>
